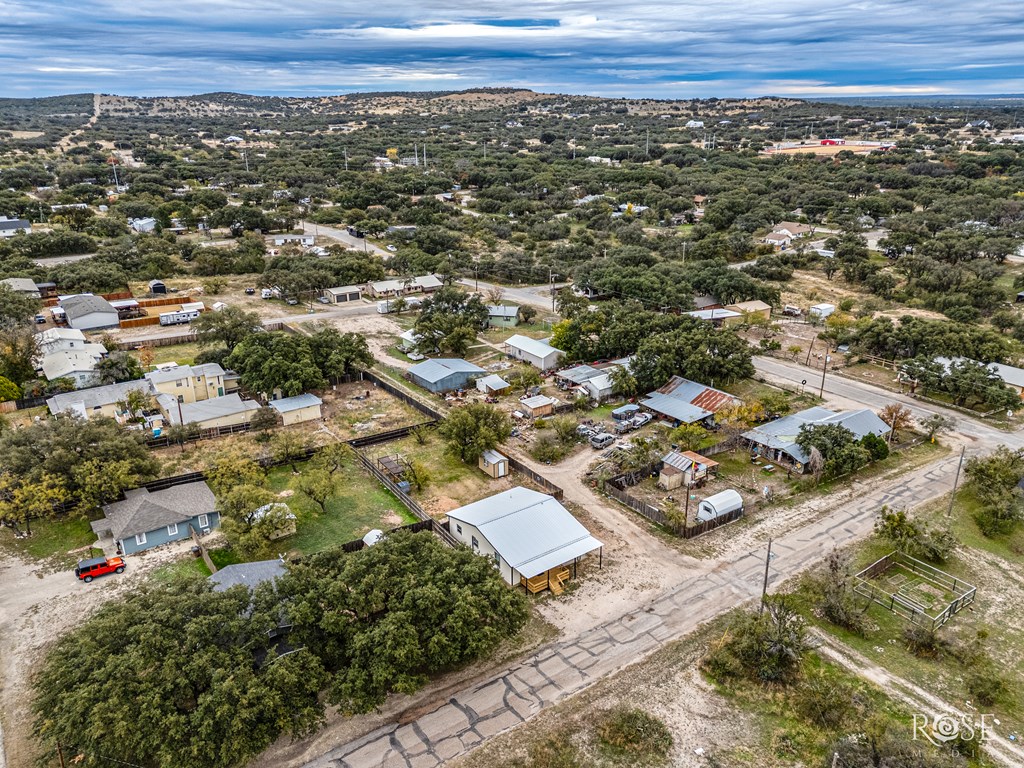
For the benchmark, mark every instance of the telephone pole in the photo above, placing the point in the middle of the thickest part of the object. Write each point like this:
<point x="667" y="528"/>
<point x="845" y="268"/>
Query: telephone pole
<point x="764" y="588"/>
<point x="956" y="480"/>
<point x="824" y="367"/>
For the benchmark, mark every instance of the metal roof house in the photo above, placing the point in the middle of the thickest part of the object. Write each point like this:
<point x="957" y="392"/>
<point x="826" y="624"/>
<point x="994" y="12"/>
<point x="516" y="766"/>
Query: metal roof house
<point x="500" y="316"/>
<point x="87" y="312"/>
<point x="444" y="374"/>
<point x="537" y="353"/>
<point x="146" y="519"/>
<point x="530" y="536"/>
<point x="226" y="411"/>
<point x="11" y="227"/>
<point x="682" y="401"/>
<point x="24" y="285"/>
<point x="776" y="440"/>
<point x="97" y="401"/>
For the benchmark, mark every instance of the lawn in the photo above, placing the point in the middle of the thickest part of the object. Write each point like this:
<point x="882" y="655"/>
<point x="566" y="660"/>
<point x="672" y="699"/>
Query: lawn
<point x="189" y="567"/>
<point x="54" y="541"/>
<point x="452" y="484"/>
<point x="183" y="354"/>
<point x="359" y="505"/>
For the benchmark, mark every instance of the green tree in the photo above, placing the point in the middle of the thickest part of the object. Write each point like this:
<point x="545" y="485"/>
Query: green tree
<point x="318" y="485"/>
<point x="18" y="351"/>
<point x="232" y="700"/>
<point x="181" y="434"/>
<point x="20" y="502"/>
<point x="16" y="308"/>
<point x="339" y="354"/>
<point x="473" y="429"/>
<point x="117" y="367"/>
<point x="689" y="437"/>
<point x="8" y="390"/>
<point x="251" y="517"/>
<point x="915" y="537"/>
<point x="267" y="362"/>
<point x="937" y="424"/>
<point x="230" y="327"/>
<point x="334" y="457"/>
<point x="289" y="447"/>
<point x="233" y="467"/>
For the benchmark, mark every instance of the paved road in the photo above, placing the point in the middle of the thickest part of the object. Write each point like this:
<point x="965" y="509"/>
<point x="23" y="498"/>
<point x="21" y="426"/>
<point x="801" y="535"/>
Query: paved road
<point x="55" y="261"/>
<point x="538" y="296"/>
<point x="359" y="243"/>
<point x="566" y="667"/>
<point x="855" y="393"/>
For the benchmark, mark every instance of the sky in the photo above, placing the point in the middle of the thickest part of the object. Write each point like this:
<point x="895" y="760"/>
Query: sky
<point x="623" y="48"/>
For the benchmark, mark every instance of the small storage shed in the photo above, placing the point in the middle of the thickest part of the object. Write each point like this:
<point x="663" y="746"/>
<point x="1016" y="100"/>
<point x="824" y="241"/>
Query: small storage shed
<point x="626" y="412"/>
<point x="493" y="464"/>
<point x="343" y="294"/>
<point x="294" y="410"/>
<point x="157" y="287"/>
<point x="492" y="385"/>
<point x="540" y="405"/>
<point x="821" y="311"/>
<point x="684" y="468"/>
<point x="373" y="537"/>
<point x="720" y="504"/>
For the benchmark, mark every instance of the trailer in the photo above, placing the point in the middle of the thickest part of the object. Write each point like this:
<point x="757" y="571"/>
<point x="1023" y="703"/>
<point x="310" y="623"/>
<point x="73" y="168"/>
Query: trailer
<point x="720" y="504"/>
<point x="180" y="317"/>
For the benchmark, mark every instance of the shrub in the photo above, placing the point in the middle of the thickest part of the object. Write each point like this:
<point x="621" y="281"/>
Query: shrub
<point x="985" y="684"/>
<point x="923" y="641"/>
<point x="768" y="646"/>
<point x="824" y="700"/>
<point x="635" y="733"/>
<point x="548" y="449"/>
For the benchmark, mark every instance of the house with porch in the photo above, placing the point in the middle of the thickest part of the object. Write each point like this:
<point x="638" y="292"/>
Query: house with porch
<point x="536" y="352"/>
<point x="682" y="401"/>
<point x="147" y="519"/>
<point x="532" y="539"/>
<point x="776" y="440"/>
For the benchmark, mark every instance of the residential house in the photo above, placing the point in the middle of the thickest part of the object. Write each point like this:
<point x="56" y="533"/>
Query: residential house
<point x="793" y="229"/>
<point x="1011" y="376"/>
<point x="66" y="340"/>
<point x="227" y="411"/>
<point x="751" y="309"/>
<point x="87" y="312"/>
<point x="79" y="366"/>
<point x="776" y="440"/>
<point x="297" y="409"/>
<point x="98" y="401"/>
<point x="147" y="519"/>
<point x="502" y="317"/>
<point x="343" y="294"/>
<point x="684" y="469"/>
<point x="537" y="353"/>
<point x="493" y="464"/>
<point x="531" y="537"/>
<point x="717" y="317"/>
<point x="249" y="575"/>
<point x="706" y="301"/>
<point x="492" y="385"/>
<point x="23" y="285"/>
<point x="383" y="289"/>
<point x="444" y="374"/>
<point x="11" y="227"/>
<point x="304" y="240"/>
<point x="682" y="401"/>
<point x="147" y="224"/>
<point x="538" y="406"/>
<point x="595" y="383"/>
<point x="189" y="383"/>
<point x="778" y="240"/>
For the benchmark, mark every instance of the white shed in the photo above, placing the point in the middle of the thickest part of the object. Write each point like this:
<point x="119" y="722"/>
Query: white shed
<point x="720" y="504"/>
<point x="821" y="311"/>
<point x="493" y="463"/>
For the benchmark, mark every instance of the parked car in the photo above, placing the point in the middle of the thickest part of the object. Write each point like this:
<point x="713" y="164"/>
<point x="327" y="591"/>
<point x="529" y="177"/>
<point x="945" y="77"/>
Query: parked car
<point x="640" y="419"/>
<point x="584" y="431"/>
<point x="250" y="291"/>
<point x="40" y="319"/>
<point x="392" y="248"/>
<point x="291" y="302"/>
<point x="602" y="440"/>
<point x="323" y="299"/>
<point x="87" y="570"/>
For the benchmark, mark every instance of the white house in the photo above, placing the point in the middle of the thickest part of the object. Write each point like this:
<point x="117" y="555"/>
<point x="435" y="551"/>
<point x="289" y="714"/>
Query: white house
<point x="87" y="312"/>
<point x="11" y="227"/>
<point x="293" y="240"/>
<point x="79" y="366"/>
<point x="148" y="224"/>
<point x="22" y="285"/>
<point x="536" y="352"/>
<point x="531" y="537"/>
<point x="98" y="401"/>
<point x="65" y="340"/>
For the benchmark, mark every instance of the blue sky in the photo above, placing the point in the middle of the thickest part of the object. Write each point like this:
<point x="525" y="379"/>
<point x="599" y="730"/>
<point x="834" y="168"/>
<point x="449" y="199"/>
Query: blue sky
<point x="657" y="49"/>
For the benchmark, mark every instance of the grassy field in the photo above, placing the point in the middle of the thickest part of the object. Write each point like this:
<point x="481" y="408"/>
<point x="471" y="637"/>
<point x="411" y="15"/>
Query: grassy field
<point x="359" y="505"/>
<point x="190" y="568"/>
<point x="183" y="354"/>
<point x="53" y="541"/>
<point x="992" y="565"/>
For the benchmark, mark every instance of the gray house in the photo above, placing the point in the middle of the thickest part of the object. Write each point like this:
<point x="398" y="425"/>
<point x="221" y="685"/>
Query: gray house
<point x="249" y="574"/>
<point x="444" y="374"/>
<point x="87" y="312"/>
<point x="147" y="519"/>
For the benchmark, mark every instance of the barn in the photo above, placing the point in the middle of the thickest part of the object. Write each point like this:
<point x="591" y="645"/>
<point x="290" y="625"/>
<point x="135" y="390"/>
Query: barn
<point x="444" y="374"/>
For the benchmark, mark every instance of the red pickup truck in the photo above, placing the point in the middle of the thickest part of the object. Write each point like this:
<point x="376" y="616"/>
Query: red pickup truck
<point x="87" y="570"/>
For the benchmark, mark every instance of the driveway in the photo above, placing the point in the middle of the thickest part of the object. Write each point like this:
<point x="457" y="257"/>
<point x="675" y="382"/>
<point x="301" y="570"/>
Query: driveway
<point x="342" y="236"/>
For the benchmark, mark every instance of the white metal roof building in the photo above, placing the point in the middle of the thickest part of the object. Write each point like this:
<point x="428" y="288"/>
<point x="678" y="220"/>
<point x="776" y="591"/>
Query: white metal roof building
<point x="537" y="353"/>
<point x="526" y="532"/>
<point x="777" y="439"/>
<point x="444" y="374"/>
<point x="87" y="312"/>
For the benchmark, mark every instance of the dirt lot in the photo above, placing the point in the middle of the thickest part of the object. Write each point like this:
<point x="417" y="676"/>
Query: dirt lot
<point x="38" y="606"/>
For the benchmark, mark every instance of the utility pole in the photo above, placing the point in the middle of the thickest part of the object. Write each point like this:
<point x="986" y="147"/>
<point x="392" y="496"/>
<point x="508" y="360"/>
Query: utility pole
<point x="60" y="755"/>
<point x="345" y="150"/>
<point x="551" y="282"/>
<point x="764" y="588"/>
<point x="824" y="367"/>
<point x="956" y="480"/>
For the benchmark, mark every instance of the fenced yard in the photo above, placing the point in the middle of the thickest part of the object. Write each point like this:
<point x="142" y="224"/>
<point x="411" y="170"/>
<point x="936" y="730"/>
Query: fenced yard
<point x="914" y="590"/>
<point x="358" y="505"/>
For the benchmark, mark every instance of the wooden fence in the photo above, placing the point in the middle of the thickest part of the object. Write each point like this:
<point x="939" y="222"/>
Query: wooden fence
<point x="543" y="482"/>
<point x="392" y="434"/>
<point x="181" y="338"/>
<point x="616" y="488"/>
<point x="405" y="397"/>
<point x="9" y="406"/>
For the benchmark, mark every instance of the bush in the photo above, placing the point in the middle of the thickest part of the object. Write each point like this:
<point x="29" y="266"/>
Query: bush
<point x="768" y="646"/>
<point x="548" y="448"/>
<point x="876" y="446"/>
<point x="985" y="684"/>
<point x="554" y="752"/>
<point x="823" y="700"/>
<point x="924" y="642"/>
<point x="636" y="734"/>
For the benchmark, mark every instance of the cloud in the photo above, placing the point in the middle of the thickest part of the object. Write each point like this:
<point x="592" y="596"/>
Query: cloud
<point x="657" y="48"/>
